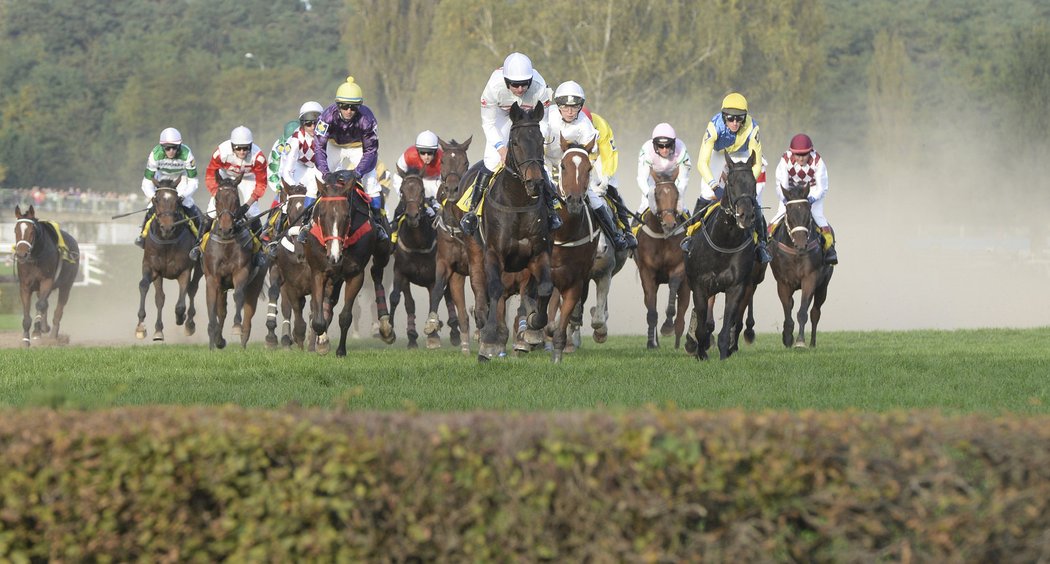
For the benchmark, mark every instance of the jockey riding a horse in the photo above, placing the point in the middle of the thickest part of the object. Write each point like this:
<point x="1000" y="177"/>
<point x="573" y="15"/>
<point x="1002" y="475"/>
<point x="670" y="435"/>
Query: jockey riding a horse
<point x="803" y="165"/>
<point x="610" y="162"/>
<point x="169" y="160"/>
<point x="734" y="132"/>
<point x="662" y="155"/>
<point x="237" y="156"/>
<point x="571" y="125"/>
<point x="347" y="138"/>
<point x="281" y="147"/>
<point x="515" y="82"/>
<point x="424" y="157"/>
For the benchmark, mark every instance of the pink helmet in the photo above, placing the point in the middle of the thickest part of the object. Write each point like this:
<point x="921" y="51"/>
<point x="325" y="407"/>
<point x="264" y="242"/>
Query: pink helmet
<point x="664" y="130"/>
<point x="801" y="144"/>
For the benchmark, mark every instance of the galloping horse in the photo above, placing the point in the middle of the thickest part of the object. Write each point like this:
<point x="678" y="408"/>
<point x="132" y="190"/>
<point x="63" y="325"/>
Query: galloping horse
<point x="227" y="260"/>
<point x="343" y="240"/>
<point x="660" y="260"/>
<point x="166" y="256"/>
<point x="289" y="279"/>
<point x="798" y="264"/>
<point x="452" y="261"/>
<point x="414" y="255"/>
<point x="575" y="242"/>
<point x="42" y="267"/>
<point x="721" y="258"/>
<point x="514" y="226"/>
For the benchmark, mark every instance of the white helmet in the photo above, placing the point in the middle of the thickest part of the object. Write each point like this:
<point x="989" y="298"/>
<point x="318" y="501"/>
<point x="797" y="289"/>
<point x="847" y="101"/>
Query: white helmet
<point x="569" y="94"/>
<point x="427" y="140"/>
<point x="310" y="110"/>
<point x="664" y="130"/>
<point x="170" y="136"/>
<point x="241" y="136"/>
<point x="517" y="67"/>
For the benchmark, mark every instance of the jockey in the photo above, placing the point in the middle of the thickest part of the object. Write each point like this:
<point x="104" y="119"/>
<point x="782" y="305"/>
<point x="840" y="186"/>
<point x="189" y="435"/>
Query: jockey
<point x="662" y="154"/>
<point x="277" y="152"/>
<point x="515" y="81"/>
<point x="347" y="138"/>
<point x="610" y="162"/>
<point x="238" y="155"/>
<point x="168" y="160"/>
<point x="801" y="164"/>
<point x="570" y="124"/>
<point x="734" y="132"/>
<point x="297" y="165"/>
<point x="425" y="158"/>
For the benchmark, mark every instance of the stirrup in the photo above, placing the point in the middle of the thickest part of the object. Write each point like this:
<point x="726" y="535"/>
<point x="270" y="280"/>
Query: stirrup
<point x="763" y="254"/>
<point x="629" y="238"/>
<point x="195" y="252"/>
<point x="140" y="242"/>
<point x="831" y="256"/>
<point x="469" y="223"/>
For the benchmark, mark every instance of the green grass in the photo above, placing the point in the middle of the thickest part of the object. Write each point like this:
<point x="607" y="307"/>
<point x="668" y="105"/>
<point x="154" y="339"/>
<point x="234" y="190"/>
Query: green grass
<point x="990" y="371"/>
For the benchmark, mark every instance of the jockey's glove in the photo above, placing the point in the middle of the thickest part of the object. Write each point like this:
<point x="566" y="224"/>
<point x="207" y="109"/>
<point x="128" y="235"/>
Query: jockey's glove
<point x="243" y="210"/>
<point x="812" y="200"/>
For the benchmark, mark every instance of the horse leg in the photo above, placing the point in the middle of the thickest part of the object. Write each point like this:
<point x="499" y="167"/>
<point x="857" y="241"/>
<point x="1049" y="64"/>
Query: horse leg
<point x="683" y="308"/>
<point x="253" y="288"/>
<point x="702" y="330"/>
<point x="299" y="326"/>
<point x="494" y="290"/>
<point x="459" y="295"/>
<point x="788" y="302"/>
<point x="386" y="326"/>
<point x="600" y="311"/>
<point x="395" y="298"/>
<point x="317" y="319"/>
<point x="60" y="308"/>
<point x="27" y="321"/>
<point x="441" y="275"/>
<point x="183" y="279"/>
<point x="569" y="299"/>
<point x="272" y="295"/>
<point x="745" y="306"/>
<point x="287" y="313"/>
<point x="211" y="294"/>
<point x="818" y="300"/>
<point x="144" y="284"/>
<point x="454" y="336"/>
<point x="479" y="286"/>
<point x="410" y="321"/>
<point x="42" y="295"/>
<point x="673" y="286"/>
<point x="649" y="288"/>
<point x="158" y="298"/>
<point x="191" y="295"/>
<point x="346" y="315"/>
<point x="803" y="309"/>
<point x="727" y="336"/>
<point x="541" y="272"/>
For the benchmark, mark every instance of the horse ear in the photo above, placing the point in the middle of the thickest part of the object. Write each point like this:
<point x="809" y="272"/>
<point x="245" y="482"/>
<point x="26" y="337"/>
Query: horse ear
<point x="538" y="111"/>
<point x="18" y="211"/>
<point x="30" y="213"/>
<point x="590" y="146"/>
<point x="515" y="112"/>
<point x="237" y="181"/>
<point x="466" y="144"/>
<point x="218" y="177"/>
<point x="751" y="159"/>
<point x="443" y="143"/>
<point x="177" y="181"/>
<point x="564" y="144"/>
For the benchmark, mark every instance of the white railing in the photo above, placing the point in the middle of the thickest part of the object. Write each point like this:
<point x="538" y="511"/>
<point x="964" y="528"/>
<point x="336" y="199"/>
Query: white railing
<point x="91" y="271"/>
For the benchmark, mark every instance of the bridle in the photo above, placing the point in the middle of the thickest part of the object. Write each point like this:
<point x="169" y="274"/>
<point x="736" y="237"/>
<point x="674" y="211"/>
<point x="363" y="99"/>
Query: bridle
<point x="346" y="232"/>
<point x="515" y="167"/>
<point x="581" y="153"/>
<point x="25" y="241"/>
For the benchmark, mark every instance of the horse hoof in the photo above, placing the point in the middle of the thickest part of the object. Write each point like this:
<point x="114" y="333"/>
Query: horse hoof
<point x="323" y="345"/>
<point x="433" y="342"/>
<point x="464" y="348"/>
<point x="521" y="347"/>
<point x="412" y="344"/>
<point x="386" y="330"/>
<point x="601" y="336"/>
<point x="533" y="336"/>
<point x="569" y="348"/>
<point x="433" y="325"/>
<point x="179" y="319"/>
<point x="690" y="344"/>
<point x="190" y="329"/>
<point x="556" y="356"/>
<point x="667" y="329"/>
<point x="455" y="338"/>
<point x="221" y="343"/>
<point x="489" y="351"/>
<point x="533" y="322"/>
<point x="483" y="358"/>
<point x="800" y="345"/>
<point x="158" y="336"/>
<point x="652" y="345"/>
<point x="140" y="334"/>
<point x="749" y="336"/>
<point x="236" y="331"/>
<point x="271" y="342"/>
<point x="286" y="341"/>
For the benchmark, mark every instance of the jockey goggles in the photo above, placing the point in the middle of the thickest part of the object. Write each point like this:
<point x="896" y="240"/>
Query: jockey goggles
<point x="663" y="142"/>
<point x="734" y="117"/>
<point x="242" y="147"/>
<point x="517" y="83"/>
<point x="345" y="106"/>
<point x="170" y="147"/>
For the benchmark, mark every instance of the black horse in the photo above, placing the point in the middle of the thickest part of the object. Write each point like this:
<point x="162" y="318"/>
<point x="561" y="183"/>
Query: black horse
<point x="414" y="255"/>
<point x="721" y="257"/>
<point x="798" y="264"/>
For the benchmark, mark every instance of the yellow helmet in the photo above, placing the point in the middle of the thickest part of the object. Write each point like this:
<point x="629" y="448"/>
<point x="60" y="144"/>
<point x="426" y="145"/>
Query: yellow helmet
<point x="349" y="92"/>
<point x="734" y="101"/>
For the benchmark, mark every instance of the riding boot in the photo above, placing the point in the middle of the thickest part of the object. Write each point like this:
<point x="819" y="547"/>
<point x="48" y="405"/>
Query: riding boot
<point x="140" y="241"/>
<point x="831" y="256"/>
<point x="195" y="252"/>
<point x="381" y="223"/>
<point x="396" y="223"/>
<point x="761" y="234"/>
<point x="622" y="215"/>
<point x="554" y="221"/>
<point x="469" y="223"/>
<point x="605" y="219"/>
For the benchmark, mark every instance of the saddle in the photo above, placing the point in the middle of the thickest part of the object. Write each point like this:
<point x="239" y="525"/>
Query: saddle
<point x="63" y="250"/>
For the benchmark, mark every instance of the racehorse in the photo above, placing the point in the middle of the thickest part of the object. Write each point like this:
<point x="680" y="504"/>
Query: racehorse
<point x="514" y="226"/>
<point x="660" y="260"/>
<point x="414" y="255"/>
<point x="575" y="242"/>
<point x="166" y="256"/>
<point x="721" y="258"/>
<point x="289" y="279"/>
<point x="798" y="264"/>
<point x="451" y="261"/>
<point x="342" y="242"/>
<point x="43" y="267"/>
<point x="228" y="264"/>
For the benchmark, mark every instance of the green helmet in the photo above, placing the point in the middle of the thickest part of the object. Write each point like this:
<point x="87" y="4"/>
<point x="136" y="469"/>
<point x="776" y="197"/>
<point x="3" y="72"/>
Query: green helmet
<point x="290" y="127"/>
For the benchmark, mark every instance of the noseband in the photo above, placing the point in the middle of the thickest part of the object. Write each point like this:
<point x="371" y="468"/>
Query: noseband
<point x="36" y="227"/>
<point x="516" y="168"/>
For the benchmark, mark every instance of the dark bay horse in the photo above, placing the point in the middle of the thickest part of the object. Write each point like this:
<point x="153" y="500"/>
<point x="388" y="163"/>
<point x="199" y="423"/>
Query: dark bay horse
<point x="514" y="226"/>
<point x="660" y="260"/>
<point x="342" y="242"/>
<point x="798" y="264"/>
<point x="42" y="267"/>
<point x="227" y="259"/>
<point x="414" y="255"/>
<point x="452" y="260"/>
<point x="721" y="258"/>
<point x="166" y="256"/>
<point x="290" y="279"/>
<point x="575" y="242"/>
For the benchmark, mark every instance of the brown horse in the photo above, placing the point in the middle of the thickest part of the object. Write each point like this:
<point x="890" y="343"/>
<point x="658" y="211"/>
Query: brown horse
<point x="513" y="226"/>
<point x="660" y="259"/>
<point x="228" y="264"/>
<point x="42" y="267"/>
<point x="166" y="256"/>
<point x="342" y="242"/>
<point x="575" y="242"/>
<point x="452" y="261"/>
<point x="721" y="258"/>
<point x="414" y="255"/>
<point x="798" y="264"/>
<point x="289" y="279"/>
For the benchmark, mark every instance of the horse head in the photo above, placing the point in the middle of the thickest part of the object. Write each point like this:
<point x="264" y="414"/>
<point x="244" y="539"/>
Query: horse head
<point x="227" y="204"/>
<point x="166" y="205"/>
<point x="454" y="165"/>
<point x="665" y="193"/>
<point x="25" y="232"/>
<point x="525" y="148"/>
<point x="575" y="174"/>
<point x="740" y="201"/>
<point x="293" y="200"/>
<point x="412" y="195"/>
<point x="798" y="215"/>
<point x="332" y="213"/>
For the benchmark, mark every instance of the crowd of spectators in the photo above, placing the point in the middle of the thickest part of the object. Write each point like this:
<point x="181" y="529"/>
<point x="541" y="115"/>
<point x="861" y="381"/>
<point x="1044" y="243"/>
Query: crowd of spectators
<point x="70" y="200"/>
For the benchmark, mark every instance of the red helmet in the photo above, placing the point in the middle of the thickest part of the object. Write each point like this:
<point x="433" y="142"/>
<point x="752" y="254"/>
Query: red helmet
<point x="801" y="144"/>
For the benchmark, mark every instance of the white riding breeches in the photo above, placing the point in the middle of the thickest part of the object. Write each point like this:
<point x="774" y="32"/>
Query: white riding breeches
<point x="347" y="158"/>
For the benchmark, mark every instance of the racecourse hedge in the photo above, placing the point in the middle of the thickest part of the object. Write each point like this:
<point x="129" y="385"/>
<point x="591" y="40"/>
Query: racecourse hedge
<point x="168" y="483"/>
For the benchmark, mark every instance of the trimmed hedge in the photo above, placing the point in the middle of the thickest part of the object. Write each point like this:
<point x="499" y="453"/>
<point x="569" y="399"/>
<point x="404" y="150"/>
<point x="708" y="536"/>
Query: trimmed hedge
<point x="169" y="483"/>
